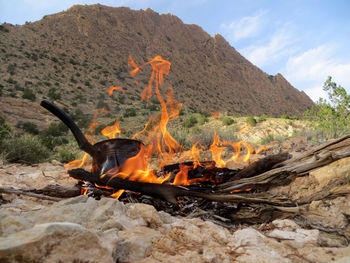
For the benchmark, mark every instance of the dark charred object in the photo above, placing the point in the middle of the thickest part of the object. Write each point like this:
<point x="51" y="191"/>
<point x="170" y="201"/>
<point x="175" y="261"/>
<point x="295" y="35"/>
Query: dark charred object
<point x="106" y="154"/>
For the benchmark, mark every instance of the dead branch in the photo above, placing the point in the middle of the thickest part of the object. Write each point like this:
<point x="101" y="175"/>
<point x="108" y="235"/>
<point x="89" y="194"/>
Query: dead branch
<point x="27" y="192"/>
<point x="261" y="166"/>
<point x="289" y="169"/>
<point x="170" y="192"/>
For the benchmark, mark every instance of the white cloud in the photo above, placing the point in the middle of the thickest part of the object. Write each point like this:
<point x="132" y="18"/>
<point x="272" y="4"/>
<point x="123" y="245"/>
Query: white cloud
<point x="246" y="27"/>
<point x="309" y="70"/>
<point x="279" y="45"/>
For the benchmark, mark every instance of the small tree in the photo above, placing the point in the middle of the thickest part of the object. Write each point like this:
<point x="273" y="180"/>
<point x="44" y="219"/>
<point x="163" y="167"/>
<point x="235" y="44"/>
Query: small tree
<point x="333" y="116"/>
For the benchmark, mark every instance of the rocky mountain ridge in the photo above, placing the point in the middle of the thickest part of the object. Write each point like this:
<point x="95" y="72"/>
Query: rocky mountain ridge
<point x="73" y="57"/>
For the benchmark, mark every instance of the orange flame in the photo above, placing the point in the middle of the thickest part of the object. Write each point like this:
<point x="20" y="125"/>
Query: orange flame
<point x="83" y="190"/>
<point x="158" y="138"/>
<point x="216" y="151"/>
<point x="111" y="89"/>
<point x="117" y="194"/>
<point x="111" y="131"/>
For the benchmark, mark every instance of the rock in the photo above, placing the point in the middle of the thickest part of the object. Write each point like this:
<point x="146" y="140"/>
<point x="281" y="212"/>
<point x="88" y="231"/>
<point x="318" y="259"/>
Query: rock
<point x="299" y="237"/>
<point x="331" y="216"/>
<point x="338" y="168"/>
<point x="147" y="212"/>
<point x="54" y="242"/>
<point x="108" y="230"/>
<point x="331" y="240"/>
<point x="165" y="217"/>
<point x="251" y="246"/>
<point x="55" y="162"/>
<point x="135" y="243"/>
<point x="295" y="144"/>
<point x="285" y="224"/>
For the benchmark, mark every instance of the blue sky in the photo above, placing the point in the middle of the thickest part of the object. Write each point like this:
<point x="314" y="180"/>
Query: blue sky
<point x="305" y="40"/>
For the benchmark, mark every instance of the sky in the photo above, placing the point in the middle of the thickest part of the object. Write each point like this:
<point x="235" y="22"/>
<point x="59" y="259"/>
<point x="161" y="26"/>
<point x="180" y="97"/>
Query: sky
<point x="304" y="40"/>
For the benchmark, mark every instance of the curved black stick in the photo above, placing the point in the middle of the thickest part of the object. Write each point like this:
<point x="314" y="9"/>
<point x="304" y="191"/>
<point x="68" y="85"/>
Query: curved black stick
<point x="79" y="136"/>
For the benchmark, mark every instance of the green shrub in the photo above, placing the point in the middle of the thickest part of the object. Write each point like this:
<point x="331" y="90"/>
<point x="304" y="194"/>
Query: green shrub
<point x="270" y="138"/>
<point x="51" y="141"/>
<point x="202" y="119"/>
<point x="54" y="135"/>
<point x="28" y="94"/>
<point x="205" y="114"/>
<point x="227" y="135"/>
<point x="83" y="120"/>
<point x="66" y="153"/>
<point x="333" y="116"/>
<point x="28" y="127"/>
<point x="251" y="121"/>
<point x="102" y="104"/>
<point x="153" y="107"/>
<point x="227" y="121"/>
<point x="11" y="80"/>
<point x="130" y="112"/>
<point x="181" y="136"/>
<point x="73" y="80"/>
<point x="103" y="82"/>
<point x="53" y="94"/>
<point x="55" y="129"/>
<point x="27" y="149"/>
<point x="262" y="118"/>
<point x="190" y="122"/>
<point x="11" y="68"/>
<point x="205" y="137"/>
<point x="5" y="130"/>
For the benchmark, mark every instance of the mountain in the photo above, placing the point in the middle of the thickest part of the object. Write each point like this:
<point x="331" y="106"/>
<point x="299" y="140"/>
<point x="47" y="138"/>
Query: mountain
<point x="73" y="57"/>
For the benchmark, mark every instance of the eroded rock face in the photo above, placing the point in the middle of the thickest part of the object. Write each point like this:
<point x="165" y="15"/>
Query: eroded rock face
<point x="82" y="229"/>
<point x="54" y="242"/>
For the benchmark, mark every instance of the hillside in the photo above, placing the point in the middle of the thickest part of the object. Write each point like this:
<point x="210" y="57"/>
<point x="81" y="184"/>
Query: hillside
<point x="74" y="56"/>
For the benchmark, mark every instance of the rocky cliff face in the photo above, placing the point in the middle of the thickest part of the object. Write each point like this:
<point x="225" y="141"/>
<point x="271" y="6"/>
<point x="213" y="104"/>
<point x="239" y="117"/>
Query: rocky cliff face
<point x="78" y="53"/>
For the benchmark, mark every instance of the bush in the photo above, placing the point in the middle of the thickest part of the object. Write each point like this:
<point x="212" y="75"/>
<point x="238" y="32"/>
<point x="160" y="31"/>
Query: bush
<point x="27" y="149"/>
<point x="203" y="119"/>
<point x="54" y="135"/>
<point x="262" y="118"/>
<point x="190" y="122"/>
<point x="181" y="136"/>
<point x="28" y="127"/>
<point x="205" y="137"/>
<point x="287" y="117"/>
<point x="251" y="121"/>
<point x="66" y="154"/>
<point x="130" y="112"/>
<point x="227" y="121"/>
<point x="153" y="107"/>
<point x="28" y="94"/>
<point x="51" y="142"/>
<point x="55" y="129"/>
<point x="83" y="120"/>
<point x="5" y="130"/>
<point x="53" y="94"/>
<point x="333" y="116"/>
<point x="270" y="138"/>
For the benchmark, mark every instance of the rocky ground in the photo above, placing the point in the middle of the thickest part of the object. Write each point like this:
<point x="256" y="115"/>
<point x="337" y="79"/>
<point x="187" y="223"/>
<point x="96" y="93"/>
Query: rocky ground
<point x="85" y="230"/>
